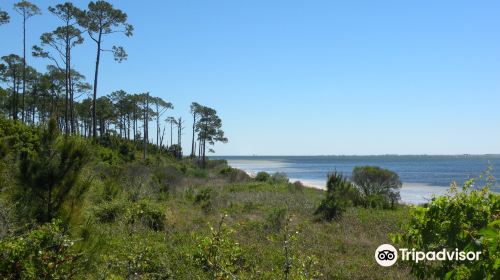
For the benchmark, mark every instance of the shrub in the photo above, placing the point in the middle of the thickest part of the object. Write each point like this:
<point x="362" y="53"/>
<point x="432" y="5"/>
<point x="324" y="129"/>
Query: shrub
<point x="107" y="155"/>
<point x="218" y="254"/>
<point x="110" y="190"/>
<point x="198" y="173"/>
<point x="339" y="195"/>
<point x="127" y="151"/>
<point x="377" y="185"/>
<point x="213" y="163"/>
<point x="463" y="220"/>
<point x="109" y="211"/>
<point x="136" y="257"/>
<point x="279" y="178"/>
<point x="48" y="174"/>
<point x="204" y="199"/>
<point x="227" y="170"/>
<point x="234" y="174"/>
<point x="175" y="151"/>
<point x="276" y="219"/>
<point x="296" y="263"/>
<point x="42" y="253"/>
<point x="262" y="176"/>
<point x="295" y="187"/>
<point x="167" y="178"/>
<point x="19" y="137"/>
<point x="146" y="213"/>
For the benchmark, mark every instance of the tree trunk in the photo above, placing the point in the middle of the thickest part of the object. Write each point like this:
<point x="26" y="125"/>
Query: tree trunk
<point x="171" y="134"/>
<point x="24" y="63"/>
<point x="192" y="142"/>
<point x="146" y="119"/>
<point x="14" y="97"/>
<point x="98" y="56"/>
<point x="157" y="125"/>
<point x="35" y="101"/>
<point x="128" y="126"/>
<point x="71" y="96"/>
<point x="66" y="80"/>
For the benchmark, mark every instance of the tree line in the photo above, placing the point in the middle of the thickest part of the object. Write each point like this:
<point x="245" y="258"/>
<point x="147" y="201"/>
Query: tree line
<point x="62" y="93"/>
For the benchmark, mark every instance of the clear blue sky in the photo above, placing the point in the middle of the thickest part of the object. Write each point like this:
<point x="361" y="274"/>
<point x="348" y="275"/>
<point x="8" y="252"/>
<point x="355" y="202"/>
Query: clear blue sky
<point x="310" y="77"/>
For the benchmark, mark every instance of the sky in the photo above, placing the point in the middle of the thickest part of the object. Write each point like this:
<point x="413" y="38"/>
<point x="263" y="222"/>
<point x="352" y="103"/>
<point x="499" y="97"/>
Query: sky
<point x="306" y="77"/>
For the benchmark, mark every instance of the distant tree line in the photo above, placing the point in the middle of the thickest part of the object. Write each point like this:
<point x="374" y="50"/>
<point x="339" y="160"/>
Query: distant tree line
<point x="63" y="94"/>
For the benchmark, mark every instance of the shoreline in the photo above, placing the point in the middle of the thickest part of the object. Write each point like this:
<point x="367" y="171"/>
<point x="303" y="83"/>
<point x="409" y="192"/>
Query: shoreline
<point x="411" y="193"/>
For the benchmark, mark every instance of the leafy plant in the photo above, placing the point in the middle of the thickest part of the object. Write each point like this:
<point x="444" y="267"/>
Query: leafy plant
<point x="379" y="187"/>
<point x="279" y="178"/>
<point x="109" y="211"/>
<point x="276" y="220"/>
<point x="204" y="199"/>
<point x="262" y="176"/>
<point x="136" y="257"/>
<point x="49" y="173"/>
<point x="146" y="213"/>
<point x="297" y="265"/>
<point x="42" y="253"/>
<point x="463" y="220"/>
<point x="339" y="195"/>
<point x="218" y="254"/>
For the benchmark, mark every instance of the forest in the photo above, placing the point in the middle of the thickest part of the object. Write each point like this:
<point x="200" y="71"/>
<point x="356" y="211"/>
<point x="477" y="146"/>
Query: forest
<point x="87" y="192"/>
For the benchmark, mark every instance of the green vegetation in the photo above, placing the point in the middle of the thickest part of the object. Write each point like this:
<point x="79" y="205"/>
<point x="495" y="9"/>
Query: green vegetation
<point x="378" y="187"/>
<point x="467" y="220"/>
<point x="86" y="194"/>
<point x="41" y="253"/>
<point x="262" y="176"/>
<point x="123" y="217"/>
<point x="340" y="193"/>
<point x="113" y="215"/>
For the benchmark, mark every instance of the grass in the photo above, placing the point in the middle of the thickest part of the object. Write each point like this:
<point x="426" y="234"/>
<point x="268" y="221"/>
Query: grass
<point x="344" y="249"/>
<point x="152" y="219"/>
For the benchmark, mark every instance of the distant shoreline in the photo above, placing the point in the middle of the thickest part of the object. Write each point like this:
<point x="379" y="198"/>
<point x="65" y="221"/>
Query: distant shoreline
<point x="374" y="155"/>
<point x="412" y="194"/>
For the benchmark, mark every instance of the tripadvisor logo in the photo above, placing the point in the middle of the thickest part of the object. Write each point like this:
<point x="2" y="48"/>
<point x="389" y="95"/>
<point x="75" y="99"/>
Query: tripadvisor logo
<point x="387" y="255"/>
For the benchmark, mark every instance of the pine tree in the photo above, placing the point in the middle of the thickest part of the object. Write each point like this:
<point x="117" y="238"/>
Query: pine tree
<point x="49" y="173"/>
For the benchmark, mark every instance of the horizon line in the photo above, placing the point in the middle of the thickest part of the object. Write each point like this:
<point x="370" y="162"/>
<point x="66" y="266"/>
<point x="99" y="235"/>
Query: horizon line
<point x="352" y="155"/>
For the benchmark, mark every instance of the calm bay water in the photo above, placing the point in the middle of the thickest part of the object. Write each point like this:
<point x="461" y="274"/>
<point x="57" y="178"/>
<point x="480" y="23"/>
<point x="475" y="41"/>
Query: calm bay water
<point x="422" y="176"/>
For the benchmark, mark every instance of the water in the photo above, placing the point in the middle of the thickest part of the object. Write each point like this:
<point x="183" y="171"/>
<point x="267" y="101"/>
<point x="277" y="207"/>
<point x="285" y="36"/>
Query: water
<point x="422" y="176"/>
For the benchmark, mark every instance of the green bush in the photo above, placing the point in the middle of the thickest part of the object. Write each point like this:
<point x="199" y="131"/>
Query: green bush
<point x="135" y="257"/>
<point x="107" y="155"/>
<point x="238" y="176"/>
<point x="204" y="199"/>
<point x="262" y="176"/>
<point x="19" y="137"/>
<point x="295" y="187"/>
<point x="227" y="170"/>
<point x="466" y="220"/>
<point x="167" y="178"/>
<point x="109" y="211"/>
<point x="279" y="178"/>
<point x="42" y="253"/>
<point x="49" y="173"/>
<point x="110" y="189"/>
<point x="214" y="163"/>
<point x="339" y="195"/>
<point x="218" y="254"/>
<point x="378" y="186"/>
<point x="147" y="214"/>
<point x="197" y="173"/>
<point x="127" y="151"/>
<point x="276" y="219"/>
<point x="175" y="151"/>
